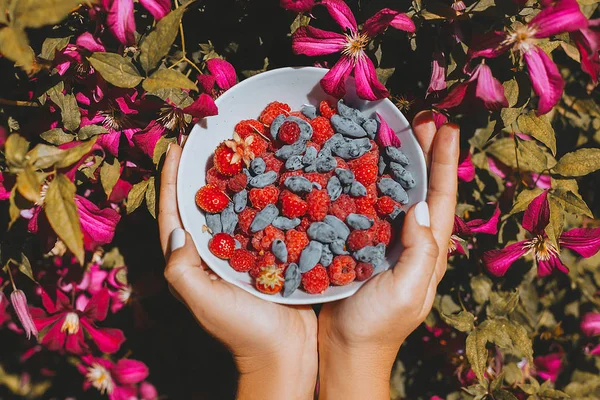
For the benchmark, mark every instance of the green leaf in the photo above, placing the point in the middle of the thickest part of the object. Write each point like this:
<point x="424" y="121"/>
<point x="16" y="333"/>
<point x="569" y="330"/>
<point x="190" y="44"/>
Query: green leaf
<point x="57" y="136"/>
<point x="15" y="149"/>
<point x="38" y="13"/>
<point x="113" y="259"/>
<point x="578" y="163"/>
<point x="523" y="200"/>
<point x="116" y="69"/>
<point x="480" y="6"/>
<point x="161" y="148"/>
<point x="157" y="44"/>
<point x="502" y="303"/>
<point x="510" y="115"/>
<point x="482" y="287"/>
<point x="511" y="91"/>
<point x="25" y="267"/>
<point x="167" y="78"/>
<point x="14" y="211"/>
<point x="502" y="394"/>
<point x="52" y="45"/>
<point x="4" y="11"/>
<point x="300" y="20"/>
<point x="151" y="197"/>
<point x="557" y="219"/>
<point x="572" y="203"/>
<point x="477" y="352"/>
<point x="110" y="172"/>
<point x="44" y="156"/>
<point x="74" y="154"/>
<point x="29" y="182"/>
<point x="89" y="131"/>
<point x="538" y="127"/>
<point x="62" y="214"/>
<point x="521" y="343"/>
<point x="71" y="117"/>
<point x="136" y="196"/>
<point x="14" y="45"/>
<point x="464" y="321"/>
<point x="532" y="157"/>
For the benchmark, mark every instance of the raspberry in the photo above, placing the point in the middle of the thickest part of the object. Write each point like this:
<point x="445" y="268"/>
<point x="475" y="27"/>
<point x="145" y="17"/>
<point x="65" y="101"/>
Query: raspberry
<point x="272" y="111"/>
<point x="299" y="115"/>
<point x="249" y="127"/>
<point x="326" y="110"/>
<point x="366" y="173"/>
<point x="222" y="161"/>
<point x="341" y="163"/>
<point x="261" y="197"/>
<point x="363" y="271"/>
<point x="289" y="132"/>
<point x="342" y="207"/>
<point x="316" y="280"/>
<point x="287" y="174"/>
<point x="318" y="203"/>
<point x="273" y="163"/>
<point x="322" y="130"/>
<point x="255" y="240"/>
<point x="292" y="205"/>
<point x="364" y="207"/>
<point x="295" y="242"/>
<point x="245" y="219"/>
<point x="368" y="158"/>
<point x="385" y="205"/>
<point x="269" y="280"/>
<point x="242" y="260"/>
<point x="341" y="270"/>
<point x="359" y="239"/>
<point x="211" y="199"/>
<point x="216" y="178"/>
<point x="372" y="194"/>
<point x="269" y="234"/>
<point x="384" y="232"/>
<point x="258" y="145"/>
<point x="313" y="144"/>
<point x="237" y="183"/>
<point x="304" y="224"/>
<point x="265" y="259"/>
<point x="222" y="245"/>
<point x="243" y="239"/>
<point x="316" y="177"/>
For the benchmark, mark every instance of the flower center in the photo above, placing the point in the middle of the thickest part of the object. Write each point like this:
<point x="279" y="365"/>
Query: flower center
<point x="114" y="119"/>
<point x="356" y="43"/>
<point x="125" y="294"/>
<point x="542" y="248"/>
<point x="242" y="148"/>
<point x="270" y="278"/>
<point x="522" y="39"/>
<point x="70" y="324"/>
<point x="100" y="378"/>
<point x="453" y="243"/>
<point x="173" y="119"/>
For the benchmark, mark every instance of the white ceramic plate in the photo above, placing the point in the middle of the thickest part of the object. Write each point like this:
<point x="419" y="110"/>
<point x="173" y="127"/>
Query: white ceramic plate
<point x="294" y="86"/>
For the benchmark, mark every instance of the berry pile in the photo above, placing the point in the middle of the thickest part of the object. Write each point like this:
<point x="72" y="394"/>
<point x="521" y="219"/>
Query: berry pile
<point x="304" y="199"/>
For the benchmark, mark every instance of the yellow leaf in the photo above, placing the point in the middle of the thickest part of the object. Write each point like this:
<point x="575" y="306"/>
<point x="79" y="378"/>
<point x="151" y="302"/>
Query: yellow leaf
<point x="14" y="45"/>
<point x="29" y="182"/>
<point x="539" y="128"/>
<point x="15" y="149"/>
<point x="167" y="78"/>
<point x="578" y="163"/>
<point x="136" y="196"/>
<point x="116" y="69"/>
<point x="38" y="13"/>
<point x="109" y="175"/>
<point x="158" y="42"/>
<point x="151" y="197"/>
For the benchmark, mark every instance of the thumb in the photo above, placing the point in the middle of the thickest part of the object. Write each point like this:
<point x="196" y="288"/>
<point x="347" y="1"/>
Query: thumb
<point x="417" y="262"/>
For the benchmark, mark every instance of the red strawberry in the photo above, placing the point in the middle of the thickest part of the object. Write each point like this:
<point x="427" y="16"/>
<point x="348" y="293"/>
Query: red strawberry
<point x="242" y="260"/>
<point x="222" y="161"/>
<point x="211" y="199"/>
<point x="292" y="205"/>
<point x="222" y="245"/>
<point x="269" y="280"/>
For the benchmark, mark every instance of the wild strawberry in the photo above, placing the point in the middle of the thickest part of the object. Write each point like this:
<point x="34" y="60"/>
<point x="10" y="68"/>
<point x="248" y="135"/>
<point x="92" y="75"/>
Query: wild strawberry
<point x="366" y="173"/>
<point x="326" y="110"/>
<point x="316" y="280"/>
<point x="216" y="178"/>
<point x="242" y="260"/>
<point x="289" y="132"/>
<point x="269" y="280"/>
<point x="295" y="242"/>
<point x="341" y="271"/>
<point x="237" y="183"/>
<point x="342" y="207"/>
<point x="258" y="145"/>
<point x="222" y="245"/>
<point x="272" y="111"/>
<point x="249" y="127"/>
<point x="318" y="204"/>
<point x="385" y="205"/>
<point x="359" y="239"/>
<point x="224" y="163"/>
<point x="363" y="271"/>
<point x="322" y="130"/>
<point x="211" y="199"/>
<point x="261" y="197"/>
<point x="292" y="205"/>
<point x="245" y="219"/>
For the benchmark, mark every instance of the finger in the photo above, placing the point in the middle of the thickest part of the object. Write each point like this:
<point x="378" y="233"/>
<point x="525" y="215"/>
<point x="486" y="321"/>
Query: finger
<point x="424" y="128"/>
<point x="168" y="214"/>
<point x="443" y="184"/>
<point x="415" y="267"/>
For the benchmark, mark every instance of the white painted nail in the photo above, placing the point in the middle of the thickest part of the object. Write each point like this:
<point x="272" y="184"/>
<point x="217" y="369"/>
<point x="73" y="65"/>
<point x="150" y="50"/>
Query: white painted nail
<point x="177" y="239"/>
<point x="422" y="214"/>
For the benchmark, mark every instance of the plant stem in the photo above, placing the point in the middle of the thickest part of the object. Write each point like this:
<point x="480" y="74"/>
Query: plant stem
<point x="12" y="281"/>
<point x="18" y="103"/>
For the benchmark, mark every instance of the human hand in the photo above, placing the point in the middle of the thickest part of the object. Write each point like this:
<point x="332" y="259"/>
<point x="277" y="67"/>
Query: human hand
<point x="274" y="346"/>
<point x="359" y="337"/>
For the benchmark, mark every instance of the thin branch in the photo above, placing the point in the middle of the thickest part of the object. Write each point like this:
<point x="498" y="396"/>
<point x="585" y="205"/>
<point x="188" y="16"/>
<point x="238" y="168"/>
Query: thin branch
<point x="18" y="103"/>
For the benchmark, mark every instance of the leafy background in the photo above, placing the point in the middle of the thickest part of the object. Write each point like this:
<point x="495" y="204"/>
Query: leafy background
<point x="484" y="332"/>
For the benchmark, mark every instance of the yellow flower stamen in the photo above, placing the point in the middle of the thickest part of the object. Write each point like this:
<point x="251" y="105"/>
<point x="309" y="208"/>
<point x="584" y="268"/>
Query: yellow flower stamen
<point x="70" y="324"/>
<point x="356" y="44"/>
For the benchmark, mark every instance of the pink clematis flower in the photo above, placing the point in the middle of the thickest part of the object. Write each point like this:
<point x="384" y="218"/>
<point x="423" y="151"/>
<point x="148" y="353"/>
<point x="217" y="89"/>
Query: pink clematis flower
<point x="463" y="230"/>
<point x="437" y="82"/>
<point x="121" y="20"/>
<point x="116" y="380"/>
<point x="148" y="391"/>
<point x="585" y="242"/>
<point x="316" y="42"/>
<point x="64" y="325"/>
<point x="587" y="41"/>
<point x="549" y="366"/>
<point x="386" y="135"/>
<point x="562" y="16"/>
<point x="221" y="73"/>
<point x="98" y="225"/>
<point x="590" y="324"/>
<point x="297" y="5"/>
<point x="19" y="303"/>
<point x="487" y="89"/>
<point x="4" y="315"/>
<point x="466" y="169"/>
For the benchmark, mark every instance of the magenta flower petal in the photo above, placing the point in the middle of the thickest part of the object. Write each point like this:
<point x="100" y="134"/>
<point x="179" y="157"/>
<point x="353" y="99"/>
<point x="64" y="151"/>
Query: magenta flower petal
<point x="455" y="97"/>
<point x="312" y="42"/>
<point x="97" y="308"/>
<point x="549" y="366"/>
<point x="385" y="135"/>
<point x="590" y="324"/>
<point x="297" y="5"/>
<point x="158" y="8"/>
<point x="489" y="89"/>
<point x="128" y="372"/>
<point x="403" y="22"/>
<point x="545" y="267"/>
<point x="98" y="226"/>
<point x="223" y="72"/>
<point x="19" y="303"/>
<point x="545" y="78"/>
<point x="584" y="241"/>
<point x="334" y="82"/>
<point x="368" y="86"/>
<point x="466" y="169"/>
<point x="341" y="13"/>
<point x="207" y="82"/>
<point x="439" y="119"/>
<point x="498" y="261"/>
<point x="460" y="228"/>
<point x="120" y="20"/>
<point x="203" y="107"/>
<point x="379" y="22"/>
<point x="54" y="339"/>
<point x="147" y="139"/>
<point x="562" y="16"/>
<point x="108" y="340"/>
<point x="75" y="343"/>
<point x="110" y="142"/>
<point x="148" y="391"/>
<point x="89" y="42"/>
<point x="587" y="41"/>
<point x="438" y="73"/>
<point x="537" y="214"/>
<point x="489" y="45"/>
<point x="489" y="227"/>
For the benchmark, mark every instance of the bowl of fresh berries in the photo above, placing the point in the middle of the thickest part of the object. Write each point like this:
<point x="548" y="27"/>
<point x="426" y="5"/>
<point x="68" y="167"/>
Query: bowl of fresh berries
<point x="295" y="196"/>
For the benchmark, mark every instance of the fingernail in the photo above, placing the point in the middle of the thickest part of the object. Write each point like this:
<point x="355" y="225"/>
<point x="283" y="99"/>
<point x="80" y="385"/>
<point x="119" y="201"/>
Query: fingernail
<point x="177" y="239"/>
<point x="422" y="214"/>
<point x="168" y="147"/>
